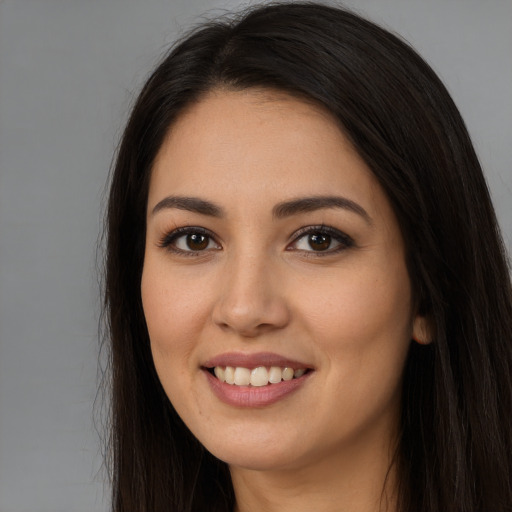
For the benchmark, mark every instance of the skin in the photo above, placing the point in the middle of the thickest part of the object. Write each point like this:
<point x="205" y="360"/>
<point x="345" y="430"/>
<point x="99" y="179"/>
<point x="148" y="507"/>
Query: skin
<point x="260" y="287"/>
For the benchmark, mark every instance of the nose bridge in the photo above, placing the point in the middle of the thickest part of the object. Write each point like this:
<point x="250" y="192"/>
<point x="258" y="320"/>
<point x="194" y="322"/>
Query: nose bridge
<point x="250" y="300"/>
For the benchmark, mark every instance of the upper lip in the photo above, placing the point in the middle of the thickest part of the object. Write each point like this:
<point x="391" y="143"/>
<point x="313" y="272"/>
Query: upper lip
<point x="244" y="360"/>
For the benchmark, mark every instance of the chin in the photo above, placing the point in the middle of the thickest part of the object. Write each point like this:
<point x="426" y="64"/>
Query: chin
<point x="258" y="454"/>
<point x="255" y="461"/>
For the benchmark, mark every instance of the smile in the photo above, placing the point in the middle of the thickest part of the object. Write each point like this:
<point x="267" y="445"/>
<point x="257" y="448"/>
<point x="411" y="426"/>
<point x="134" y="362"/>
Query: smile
<point x="255" y="380"/>
<point x="256" y="377"/>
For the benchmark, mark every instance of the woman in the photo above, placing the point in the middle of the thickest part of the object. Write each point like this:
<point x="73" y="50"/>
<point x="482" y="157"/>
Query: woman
<point x="308" y="297"/>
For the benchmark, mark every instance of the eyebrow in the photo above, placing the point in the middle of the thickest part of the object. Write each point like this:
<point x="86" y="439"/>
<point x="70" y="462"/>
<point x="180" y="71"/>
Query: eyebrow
<point x="280" y="210"/>
<point x="191" y="204"/>
<point x="311" y="204"/>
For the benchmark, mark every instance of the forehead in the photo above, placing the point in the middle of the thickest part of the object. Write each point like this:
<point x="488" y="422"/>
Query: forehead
<point x="260" y="145"/>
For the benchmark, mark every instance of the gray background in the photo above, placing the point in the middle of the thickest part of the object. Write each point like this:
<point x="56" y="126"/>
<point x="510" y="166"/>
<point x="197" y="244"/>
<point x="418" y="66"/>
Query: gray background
<point x="69" y="70"/>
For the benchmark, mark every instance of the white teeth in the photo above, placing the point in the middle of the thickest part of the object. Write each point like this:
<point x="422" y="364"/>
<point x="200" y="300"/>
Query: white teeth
<point x="275" y="374"/>
<point x="229" y="375"/>
<point x="260" y="376"/>
<point x="288" y="374"/>
<point x="242" y="376"/>
<point x="219" y="373"/>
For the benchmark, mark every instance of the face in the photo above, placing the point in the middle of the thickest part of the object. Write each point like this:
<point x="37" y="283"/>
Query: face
<point x="273" y="259"/>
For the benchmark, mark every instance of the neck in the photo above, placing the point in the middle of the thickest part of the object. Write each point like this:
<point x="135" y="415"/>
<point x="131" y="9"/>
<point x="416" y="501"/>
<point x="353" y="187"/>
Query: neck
<point x="355" y="479"/>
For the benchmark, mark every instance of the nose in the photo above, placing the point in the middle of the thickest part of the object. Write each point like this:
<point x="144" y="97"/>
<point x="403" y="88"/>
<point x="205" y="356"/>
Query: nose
<point x="251" y="299"/>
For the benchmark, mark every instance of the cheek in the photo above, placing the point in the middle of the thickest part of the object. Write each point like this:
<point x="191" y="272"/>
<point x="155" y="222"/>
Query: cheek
<point x="362" y="323"/>
<point x="175" y="312"/>
<point x="354" y="304"/>
<point x="362" y="327"/>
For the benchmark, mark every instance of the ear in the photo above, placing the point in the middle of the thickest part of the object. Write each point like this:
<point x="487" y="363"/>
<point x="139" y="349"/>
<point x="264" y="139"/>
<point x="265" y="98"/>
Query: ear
<point x="422" y="330"/>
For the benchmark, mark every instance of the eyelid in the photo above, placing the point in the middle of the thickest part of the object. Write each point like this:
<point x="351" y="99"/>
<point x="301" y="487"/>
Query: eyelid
<point x="344" y="240"/>
<point x="167" y="240"/>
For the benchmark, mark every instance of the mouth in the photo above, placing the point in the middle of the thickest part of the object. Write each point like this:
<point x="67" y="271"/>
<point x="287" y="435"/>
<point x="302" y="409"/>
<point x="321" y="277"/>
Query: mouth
<point x="256" y="377"/>
<point x="255" y="380"/>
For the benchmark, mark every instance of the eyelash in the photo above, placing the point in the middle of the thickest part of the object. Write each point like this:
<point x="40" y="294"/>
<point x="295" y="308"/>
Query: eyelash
<point x="345" y="241"/>
<point x="169" y="239"/>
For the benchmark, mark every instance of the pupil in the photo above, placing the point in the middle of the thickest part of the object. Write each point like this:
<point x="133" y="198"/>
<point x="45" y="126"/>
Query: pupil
<point x="319" y="241"/>
<point x="197" y="242"/>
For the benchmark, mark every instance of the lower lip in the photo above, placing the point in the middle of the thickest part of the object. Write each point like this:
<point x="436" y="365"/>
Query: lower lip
<point x="254" y="396"/>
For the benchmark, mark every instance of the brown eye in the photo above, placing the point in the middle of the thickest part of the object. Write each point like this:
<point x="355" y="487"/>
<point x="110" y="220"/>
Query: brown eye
<point x="189" y="241"/>
<point x="323" y="240"/>
<point x="319" y="241"/>
<point x="197" y="241"/>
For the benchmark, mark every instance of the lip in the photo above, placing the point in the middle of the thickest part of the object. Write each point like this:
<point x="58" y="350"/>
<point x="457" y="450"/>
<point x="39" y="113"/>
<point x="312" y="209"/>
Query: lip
<point x="249" y="396"/>
<point x="252" y="396"/>
<point x="251" y="361"/>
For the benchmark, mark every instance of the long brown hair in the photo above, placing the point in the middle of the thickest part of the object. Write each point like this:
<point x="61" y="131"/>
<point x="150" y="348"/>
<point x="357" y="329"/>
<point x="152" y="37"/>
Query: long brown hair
<point x="455" y="447"/>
